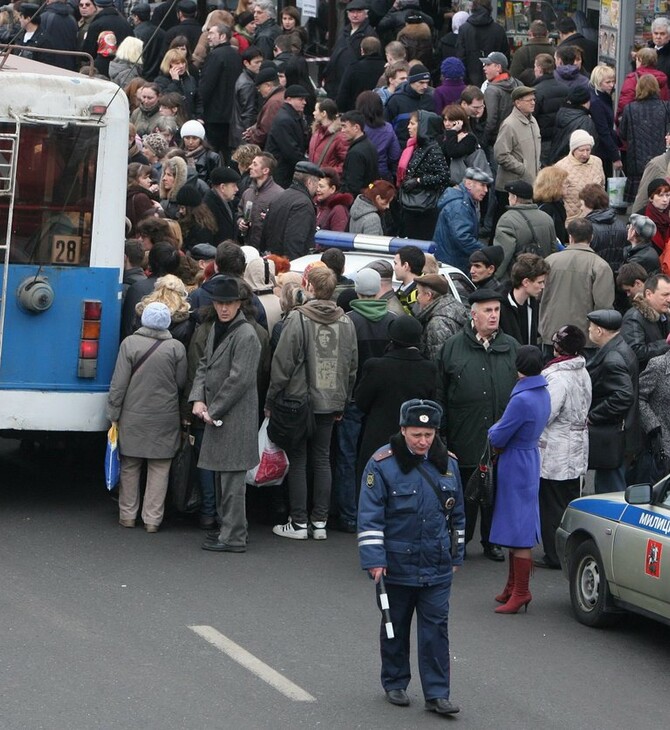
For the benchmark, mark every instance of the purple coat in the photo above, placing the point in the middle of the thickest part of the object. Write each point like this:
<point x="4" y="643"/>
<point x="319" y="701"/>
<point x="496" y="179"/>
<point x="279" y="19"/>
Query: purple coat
<point x="448" y="92"/>
<point x="388" y="149"/>
<point x="516" y="513"/>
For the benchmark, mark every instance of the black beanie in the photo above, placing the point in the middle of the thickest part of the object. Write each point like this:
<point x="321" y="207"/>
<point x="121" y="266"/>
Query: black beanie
<point x="529" y="360"/>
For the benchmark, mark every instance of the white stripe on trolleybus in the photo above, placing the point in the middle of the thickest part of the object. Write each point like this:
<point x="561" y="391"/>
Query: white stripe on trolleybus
<point x="253" y="664"/>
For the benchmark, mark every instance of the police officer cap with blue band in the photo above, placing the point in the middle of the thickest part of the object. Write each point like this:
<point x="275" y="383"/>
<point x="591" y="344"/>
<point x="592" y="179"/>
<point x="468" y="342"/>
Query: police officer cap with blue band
<point x="420" y="413"/>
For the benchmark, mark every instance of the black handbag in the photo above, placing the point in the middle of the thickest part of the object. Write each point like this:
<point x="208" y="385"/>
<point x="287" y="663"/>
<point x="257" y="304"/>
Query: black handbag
<point x="292" y="419"/>
<point x="606" y="445"/>
<point x="480" y="488"/>
<point x="418" y="200"/>
<point x="183" y="486"/>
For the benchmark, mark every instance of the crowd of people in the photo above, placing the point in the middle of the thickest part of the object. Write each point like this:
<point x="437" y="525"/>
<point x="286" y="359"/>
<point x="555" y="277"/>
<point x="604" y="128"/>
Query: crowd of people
<point x="418" y="127"/>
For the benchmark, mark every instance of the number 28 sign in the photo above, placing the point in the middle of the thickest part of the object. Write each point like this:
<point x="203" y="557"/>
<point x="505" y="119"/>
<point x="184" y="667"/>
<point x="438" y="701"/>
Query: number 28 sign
<point x="65" y="250"/>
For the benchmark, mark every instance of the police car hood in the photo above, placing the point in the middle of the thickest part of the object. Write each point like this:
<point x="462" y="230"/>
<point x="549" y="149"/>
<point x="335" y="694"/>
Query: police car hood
<point x="610" y="506"/>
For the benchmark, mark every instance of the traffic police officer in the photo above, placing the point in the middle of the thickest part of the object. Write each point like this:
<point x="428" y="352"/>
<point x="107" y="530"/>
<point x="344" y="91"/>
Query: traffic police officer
<point x="405" y="532"/>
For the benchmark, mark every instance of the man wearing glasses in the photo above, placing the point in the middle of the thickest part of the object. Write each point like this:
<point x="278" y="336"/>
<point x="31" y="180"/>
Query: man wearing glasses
<point x="87" y="11"/>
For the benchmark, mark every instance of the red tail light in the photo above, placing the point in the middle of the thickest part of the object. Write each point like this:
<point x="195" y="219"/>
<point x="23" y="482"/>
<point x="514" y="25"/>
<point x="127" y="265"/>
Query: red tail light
<point x="89" y="344"/>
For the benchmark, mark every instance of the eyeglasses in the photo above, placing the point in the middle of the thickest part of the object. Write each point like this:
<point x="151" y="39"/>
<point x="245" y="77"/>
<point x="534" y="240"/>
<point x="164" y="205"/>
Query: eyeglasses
<point x="85" y="5"/>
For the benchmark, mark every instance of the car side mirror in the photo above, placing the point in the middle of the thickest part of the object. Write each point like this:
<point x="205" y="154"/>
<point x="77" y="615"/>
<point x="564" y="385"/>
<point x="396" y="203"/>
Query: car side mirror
<point x="638" y="494"/>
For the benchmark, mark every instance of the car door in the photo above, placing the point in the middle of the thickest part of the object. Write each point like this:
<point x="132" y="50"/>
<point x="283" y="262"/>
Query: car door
<point x="641" y="555"/>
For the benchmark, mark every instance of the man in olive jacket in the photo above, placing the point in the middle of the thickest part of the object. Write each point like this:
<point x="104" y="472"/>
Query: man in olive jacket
<point x="476" y="374"/>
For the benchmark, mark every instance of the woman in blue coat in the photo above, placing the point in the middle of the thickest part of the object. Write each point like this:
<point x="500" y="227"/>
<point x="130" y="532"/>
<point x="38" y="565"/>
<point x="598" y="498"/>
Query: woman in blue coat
<point x="516" y="513"/>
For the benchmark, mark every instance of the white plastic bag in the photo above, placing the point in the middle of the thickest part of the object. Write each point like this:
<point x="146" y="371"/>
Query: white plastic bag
<point x="273" y="465"/>
<point x="615" y="190"/>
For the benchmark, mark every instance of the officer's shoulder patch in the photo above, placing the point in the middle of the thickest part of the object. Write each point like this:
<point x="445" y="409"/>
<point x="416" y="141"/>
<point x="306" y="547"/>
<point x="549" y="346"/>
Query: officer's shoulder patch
<point x="453" y="456"/>
<point x="370" y="480"/>
<point x="383" y="454"/>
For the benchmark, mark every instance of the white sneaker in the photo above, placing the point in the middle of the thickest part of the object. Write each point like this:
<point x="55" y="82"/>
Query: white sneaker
<point x="294" y="530"/>
<point x="317" y="530"/>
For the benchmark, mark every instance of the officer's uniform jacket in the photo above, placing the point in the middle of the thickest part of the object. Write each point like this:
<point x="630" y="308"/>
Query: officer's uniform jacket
<point x="401" y="525"/>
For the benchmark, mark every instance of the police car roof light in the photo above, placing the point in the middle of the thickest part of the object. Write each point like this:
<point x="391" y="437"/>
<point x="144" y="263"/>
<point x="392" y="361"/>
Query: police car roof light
<point x="363" y="242"/>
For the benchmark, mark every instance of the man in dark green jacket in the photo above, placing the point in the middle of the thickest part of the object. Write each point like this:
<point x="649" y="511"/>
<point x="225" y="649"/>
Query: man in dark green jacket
<point x="476" y="374"/>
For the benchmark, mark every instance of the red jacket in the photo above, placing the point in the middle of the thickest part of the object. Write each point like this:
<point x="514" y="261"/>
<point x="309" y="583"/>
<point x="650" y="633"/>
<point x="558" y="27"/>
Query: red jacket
<point x="329" y="140"/>
<point x="627" y="93"/>
<point x="333" y="213"/>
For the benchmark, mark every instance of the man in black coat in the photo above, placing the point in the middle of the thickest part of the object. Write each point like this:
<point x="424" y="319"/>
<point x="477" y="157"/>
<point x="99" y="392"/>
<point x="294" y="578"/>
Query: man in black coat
<point x="568" y="36"/>
<point x="152" y="50"/>
<point x="413" y="95"/>
<point x="520" y="310"/>
<point x="660" y="33"/>
<point x="361" y="165"/>
<point x="479" y="36"/>
<point x="550" y="94"/>
<point x="347" y="46"/>
<point x="267" y="30"/>
<point x="614" y="382"/>
<point x="217" y="87"/>
<point x="646" y="325"/>
<point x="59" y="31"/>
<point x="290" y="224"/>
<point x="362" y="75"/>
<point x="108" y="19"/>
<point x="219" y="200"/>
<point x="188" y="26"/>
<point x="287" y="139"/>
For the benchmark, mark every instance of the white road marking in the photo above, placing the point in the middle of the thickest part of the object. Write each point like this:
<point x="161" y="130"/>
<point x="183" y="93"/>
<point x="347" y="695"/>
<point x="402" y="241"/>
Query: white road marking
<point x="253" y="664"/>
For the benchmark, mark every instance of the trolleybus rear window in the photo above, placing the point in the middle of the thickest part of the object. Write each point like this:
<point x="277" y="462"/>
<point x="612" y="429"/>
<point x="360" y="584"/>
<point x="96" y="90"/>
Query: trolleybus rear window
<point x="55" y="190"/>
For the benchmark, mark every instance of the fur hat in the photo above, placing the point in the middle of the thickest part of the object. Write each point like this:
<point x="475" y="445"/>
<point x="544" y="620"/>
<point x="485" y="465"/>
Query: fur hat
<point x="420" y="413"/>
<point x="156" y="143"/>
<point x="569" y="340"/>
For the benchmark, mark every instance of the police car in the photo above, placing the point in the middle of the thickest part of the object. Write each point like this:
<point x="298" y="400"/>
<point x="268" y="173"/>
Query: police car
<point x="615" y="551"/>
<point x="360" y="250"/>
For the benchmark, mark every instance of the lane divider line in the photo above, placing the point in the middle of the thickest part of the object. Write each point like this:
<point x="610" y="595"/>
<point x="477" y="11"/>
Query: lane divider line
<point x="253" y="664"/>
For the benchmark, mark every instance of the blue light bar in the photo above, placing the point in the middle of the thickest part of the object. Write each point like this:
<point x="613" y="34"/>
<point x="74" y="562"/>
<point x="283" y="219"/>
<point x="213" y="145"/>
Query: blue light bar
<point x="372" y="244"/>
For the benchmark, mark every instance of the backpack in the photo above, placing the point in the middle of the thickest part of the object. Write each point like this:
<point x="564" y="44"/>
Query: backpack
<point x="531" y="247"/>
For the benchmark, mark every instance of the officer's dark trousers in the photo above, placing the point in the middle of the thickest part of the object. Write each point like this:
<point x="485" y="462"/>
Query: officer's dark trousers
<point x="554" y="498"/>
<point x="431" y="604"/>
<point x="471" y="511"/>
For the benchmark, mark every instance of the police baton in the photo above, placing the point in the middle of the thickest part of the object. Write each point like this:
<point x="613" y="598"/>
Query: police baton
<point x="384" y="603"/>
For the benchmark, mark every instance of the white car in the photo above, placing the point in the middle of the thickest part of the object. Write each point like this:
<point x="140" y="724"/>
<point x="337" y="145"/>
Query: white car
<point x="459" y="283"/>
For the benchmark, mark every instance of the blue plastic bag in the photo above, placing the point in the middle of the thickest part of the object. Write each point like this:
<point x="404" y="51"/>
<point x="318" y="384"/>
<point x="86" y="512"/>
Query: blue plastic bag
<point x="112" y="458"/>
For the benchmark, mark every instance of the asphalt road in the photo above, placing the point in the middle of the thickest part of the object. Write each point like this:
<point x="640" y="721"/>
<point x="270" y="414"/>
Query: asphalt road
<point x="95" y="629"/>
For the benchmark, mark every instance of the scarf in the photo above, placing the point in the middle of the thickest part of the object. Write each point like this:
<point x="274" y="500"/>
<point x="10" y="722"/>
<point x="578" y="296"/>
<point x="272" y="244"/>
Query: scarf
<point x="560" y="358"/>
<point x="662" y="220"/>
<point x="405" y="157"/>
<point x="220" y="331"/>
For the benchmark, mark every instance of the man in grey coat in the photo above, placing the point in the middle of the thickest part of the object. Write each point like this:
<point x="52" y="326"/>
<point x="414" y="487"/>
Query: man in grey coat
<point x="225" y="398"/>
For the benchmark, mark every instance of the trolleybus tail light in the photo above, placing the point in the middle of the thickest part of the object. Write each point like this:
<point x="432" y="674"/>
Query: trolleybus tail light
<point x="97" y="110"/>
<point x="89" y="344"/>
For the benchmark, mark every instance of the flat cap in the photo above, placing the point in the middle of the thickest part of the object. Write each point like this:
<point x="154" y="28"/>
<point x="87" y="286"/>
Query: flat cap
<point x="187" y="6"/>
<point x="368" y="282"/>
<point x="644" y="226"/>
<point x="435" y="282"/>
<point x="522" y="91"/>
<point x="520" y="188"/>
<point x="608" y="319"/>
<point x="308" y="168"/>
<point x="420" y="413"/>
<point x="485" y="295"/>
<point x="203" y="252"/>
<point x="265" y="75"/>
<point x="358" y="5"/>
<point x="495" y="57"/>
<point x="295" y="91"/>
<point x="383" y="267"/>
<point x="221" y="175"/>
<point x="489" y="255"/>
<point x="477" y="174"/>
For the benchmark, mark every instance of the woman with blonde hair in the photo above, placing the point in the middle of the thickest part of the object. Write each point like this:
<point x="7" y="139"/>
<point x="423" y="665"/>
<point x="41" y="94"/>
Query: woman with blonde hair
<point x="548" y="195"/>
<point x="601" y="85"/>
<point x="244" y="156"/>
<point x="127" y="63"/>
<point x="175" y="77"/>
<point x="171" y="291"/>
<point x="173" y="179"/>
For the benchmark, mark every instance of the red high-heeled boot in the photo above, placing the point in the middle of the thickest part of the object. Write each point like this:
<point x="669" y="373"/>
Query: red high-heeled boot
<point x="521" y="596"/>
<point x="507" y="590"/>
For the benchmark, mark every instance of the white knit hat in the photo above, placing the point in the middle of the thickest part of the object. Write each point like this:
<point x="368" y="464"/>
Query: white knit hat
<point x="579" y="138"/>
<point x="156" y="316"/>
<point x="192" y="128"/>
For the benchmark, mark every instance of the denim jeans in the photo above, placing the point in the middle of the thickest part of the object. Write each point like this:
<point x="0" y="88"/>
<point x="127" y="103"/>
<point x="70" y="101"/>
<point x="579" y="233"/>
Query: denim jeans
<point x="206" y="479"/>
<point x="319" y="449"/>
<point x="345" y="489"/>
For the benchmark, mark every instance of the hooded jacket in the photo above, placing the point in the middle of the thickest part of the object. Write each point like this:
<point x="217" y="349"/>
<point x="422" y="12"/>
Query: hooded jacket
<point x="58" y="30"/>
<point x="400" y="106"/>
<point x="568" y="120"/>
<point x="364" y="217"/>
<point x="549" y="98"/>
<point x="523" y="59"/>
<point x="428" y="162"/>
<point x="644" y="331"/>
<point x="498" y="100"/>
<point x="564" y="444"/>
<point x="332" y="367"/>
<point x="371" y="319"/>
<point x="477" y="37"/>
<point x="441" y="319"/>
<point x="571" y="76"/>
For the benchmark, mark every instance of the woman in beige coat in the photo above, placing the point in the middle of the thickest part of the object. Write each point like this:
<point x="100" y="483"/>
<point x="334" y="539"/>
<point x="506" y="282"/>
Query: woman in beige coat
<point x="144" y="400"/>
